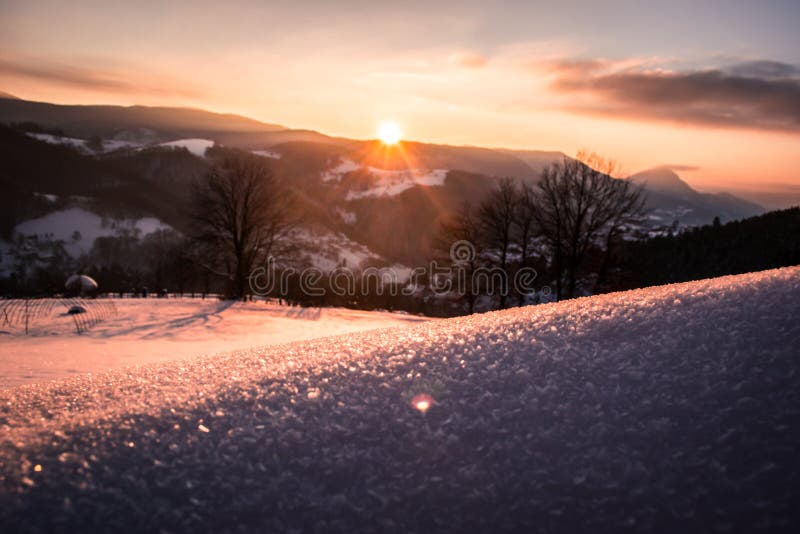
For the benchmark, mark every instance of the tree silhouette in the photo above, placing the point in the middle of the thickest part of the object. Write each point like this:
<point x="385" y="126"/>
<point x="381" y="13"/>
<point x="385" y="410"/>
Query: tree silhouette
<point x="579" y="205"/>
<point x="240" y="215"/>
<point x="497" y="216"/>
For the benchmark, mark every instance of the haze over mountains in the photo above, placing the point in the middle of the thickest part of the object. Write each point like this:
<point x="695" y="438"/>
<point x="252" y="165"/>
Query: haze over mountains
<point x="387" y="200"/>
<point x="664" y="187"/>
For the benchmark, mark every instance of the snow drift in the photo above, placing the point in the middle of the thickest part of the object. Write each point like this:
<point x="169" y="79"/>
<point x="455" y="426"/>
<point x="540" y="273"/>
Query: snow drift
<point x="667" y="409"/>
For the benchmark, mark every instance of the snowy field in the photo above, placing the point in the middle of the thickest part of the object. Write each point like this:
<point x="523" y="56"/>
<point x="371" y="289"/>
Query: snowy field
<point x="152" y="330"/>
<point x="670" y="409"/>
<point x="78" y="228"/>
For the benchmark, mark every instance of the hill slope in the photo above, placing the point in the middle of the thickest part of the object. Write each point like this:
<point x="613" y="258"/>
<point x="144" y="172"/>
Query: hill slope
<point x="152" y="330"/>
<point x="657" y="410"/>
<point x="753" y="244"/>
<point x="389" y="199"/>
<point x="109" y="121"/>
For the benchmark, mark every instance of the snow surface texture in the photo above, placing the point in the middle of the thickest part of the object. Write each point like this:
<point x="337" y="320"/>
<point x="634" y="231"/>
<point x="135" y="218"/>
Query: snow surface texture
<point x="670" y="409"/>
<point x="157" y="330"/>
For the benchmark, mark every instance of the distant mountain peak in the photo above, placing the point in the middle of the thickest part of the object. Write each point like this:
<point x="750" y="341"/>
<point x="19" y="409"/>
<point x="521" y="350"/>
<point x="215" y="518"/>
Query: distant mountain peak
<point x="664" y="179"/>
<point x="8" y="96"/>
<point x="669" y="197"/>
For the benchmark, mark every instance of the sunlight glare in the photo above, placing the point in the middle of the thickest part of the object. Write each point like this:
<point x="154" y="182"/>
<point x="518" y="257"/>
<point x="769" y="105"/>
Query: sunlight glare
<point x="389" y="132"/>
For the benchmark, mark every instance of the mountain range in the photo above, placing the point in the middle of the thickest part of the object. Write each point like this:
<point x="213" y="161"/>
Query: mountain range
<point x="139" y="161"/>
<point x="669" y="197"/>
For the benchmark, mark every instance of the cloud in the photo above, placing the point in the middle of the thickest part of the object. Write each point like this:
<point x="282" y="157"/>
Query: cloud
<point x="469" y="60"/>
<point x="680" y="167"/>
<point x="755" y="94"/>
<point x="91" y="79"/>
<point x="769" y="70"/>
<point x="573" y="68"/>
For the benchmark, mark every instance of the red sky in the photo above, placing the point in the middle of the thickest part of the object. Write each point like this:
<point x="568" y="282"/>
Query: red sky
<point x="713" y="90"/>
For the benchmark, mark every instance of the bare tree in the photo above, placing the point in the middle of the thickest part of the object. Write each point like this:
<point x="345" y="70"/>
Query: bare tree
<point x="497" y="217"/>
<point x="525" y="223"/>
<point x="241" y="214"/>
<point x="462" y="228"/>
<point x="579" y="204"/>
<point x="626" y="201"/>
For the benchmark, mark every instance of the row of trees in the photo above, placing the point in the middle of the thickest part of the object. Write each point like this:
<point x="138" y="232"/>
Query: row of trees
<point x="564" y="226"/>
<point x="754" y="244"/>
<point x="122" y="262"/>
<point x="242" y="217"/>
<point x="575" y="213"/>
<point x="238" y="215"/>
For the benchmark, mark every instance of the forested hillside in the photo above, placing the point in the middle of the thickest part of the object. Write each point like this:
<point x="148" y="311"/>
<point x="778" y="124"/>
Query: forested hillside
<point x="761" y="242"/>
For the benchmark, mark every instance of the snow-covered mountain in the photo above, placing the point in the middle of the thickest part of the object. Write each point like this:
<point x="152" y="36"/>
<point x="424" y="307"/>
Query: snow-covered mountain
<point x="670" y="199"/>
<point x="140" y="162"/>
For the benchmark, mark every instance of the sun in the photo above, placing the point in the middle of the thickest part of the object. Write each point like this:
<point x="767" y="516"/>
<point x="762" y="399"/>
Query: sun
<point x="389" y="132"/>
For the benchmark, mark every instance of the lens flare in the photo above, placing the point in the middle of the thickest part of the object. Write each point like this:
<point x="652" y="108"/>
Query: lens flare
<point x="422" y="402"/>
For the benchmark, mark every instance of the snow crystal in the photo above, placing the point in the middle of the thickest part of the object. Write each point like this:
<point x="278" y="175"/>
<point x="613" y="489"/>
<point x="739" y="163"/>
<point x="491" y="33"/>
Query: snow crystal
<point x="635" y="414"/>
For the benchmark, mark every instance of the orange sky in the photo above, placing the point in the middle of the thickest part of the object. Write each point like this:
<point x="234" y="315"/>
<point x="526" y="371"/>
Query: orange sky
<point x="496" y="83"/>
